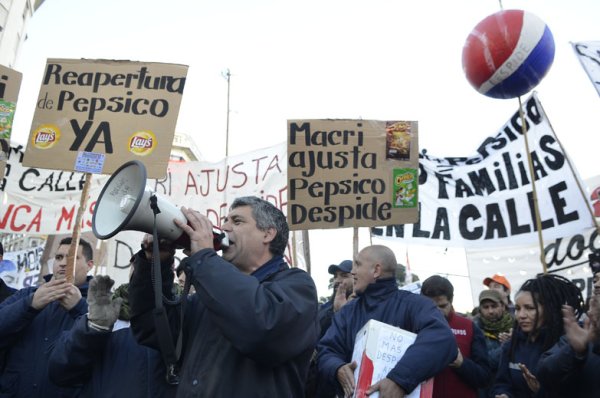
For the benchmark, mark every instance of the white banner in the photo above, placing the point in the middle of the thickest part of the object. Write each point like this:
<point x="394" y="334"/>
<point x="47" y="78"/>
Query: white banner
<point x="486" y="199"/>
<point x="588" y="53"/>
<point x="39" y="201"/>
<point x="565" y="256"/>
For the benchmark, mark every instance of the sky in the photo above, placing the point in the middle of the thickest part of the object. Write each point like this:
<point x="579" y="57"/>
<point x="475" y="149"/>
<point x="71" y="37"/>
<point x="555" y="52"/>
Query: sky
<point x="314" y="59"/>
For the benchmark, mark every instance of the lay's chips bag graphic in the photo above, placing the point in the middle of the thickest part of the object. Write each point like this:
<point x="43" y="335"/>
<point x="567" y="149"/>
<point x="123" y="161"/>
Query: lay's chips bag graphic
<point x="142" y="143"/>
<point x="45" y="136"/>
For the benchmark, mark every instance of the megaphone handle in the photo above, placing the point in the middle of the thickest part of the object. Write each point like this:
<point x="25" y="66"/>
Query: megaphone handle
<point x="169" y="351"/>
<point x="155" y="209"/>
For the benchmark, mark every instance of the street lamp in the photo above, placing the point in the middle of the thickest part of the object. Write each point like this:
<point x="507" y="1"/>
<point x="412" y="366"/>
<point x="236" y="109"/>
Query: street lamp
<point x="227" y="76"/>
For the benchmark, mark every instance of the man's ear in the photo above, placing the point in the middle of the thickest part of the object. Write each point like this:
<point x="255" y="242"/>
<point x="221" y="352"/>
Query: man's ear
<point x="90" y="265"/>
<point x="269" y="235"/>
<point x="377" y="270"/>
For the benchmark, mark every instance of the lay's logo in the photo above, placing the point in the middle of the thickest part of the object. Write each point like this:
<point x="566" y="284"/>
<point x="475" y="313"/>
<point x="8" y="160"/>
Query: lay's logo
<point x="45" y="136"/>
<point x="142" y="143"/>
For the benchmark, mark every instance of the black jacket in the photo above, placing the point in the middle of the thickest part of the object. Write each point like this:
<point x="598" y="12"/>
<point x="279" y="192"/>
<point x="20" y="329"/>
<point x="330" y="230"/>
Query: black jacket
<point x="244" y="335"/>
<point x="28" y="336"/>
<point x="108" y="364"/>
<point x="566" y="375"/>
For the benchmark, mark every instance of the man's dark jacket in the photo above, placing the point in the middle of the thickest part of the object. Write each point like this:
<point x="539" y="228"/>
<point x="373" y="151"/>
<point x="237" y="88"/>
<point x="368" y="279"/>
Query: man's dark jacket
<point x="5" y="290"/>
<point x="108" y="364"/>
<point x="433" y="349"/>
<point x="243" y="336"/>
<point x="28" y="336"/>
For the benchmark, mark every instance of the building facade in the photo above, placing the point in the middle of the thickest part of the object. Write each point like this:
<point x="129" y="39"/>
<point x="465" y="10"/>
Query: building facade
<point x="14" y="16"/>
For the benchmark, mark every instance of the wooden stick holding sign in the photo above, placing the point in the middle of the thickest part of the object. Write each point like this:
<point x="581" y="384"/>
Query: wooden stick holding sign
<point x="354" y="243"/>
<point x="536" y="207"/>
<point x="72" y="253"/>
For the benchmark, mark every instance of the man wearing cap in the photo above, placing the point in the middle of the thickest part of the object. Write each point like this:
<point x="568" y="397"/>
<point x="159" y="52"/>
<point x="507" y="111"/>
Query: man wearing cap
<point x="496" y="323"/>
<point x="500" y="283"/>
<point x="343" y="284"/>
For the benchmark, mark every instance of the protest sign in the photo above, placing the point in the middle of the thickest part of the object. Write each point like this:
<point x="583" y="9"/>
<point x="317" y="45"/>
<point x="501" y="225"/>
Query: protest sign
<point x="352" y="173"/>
<point x="588" y="53"/>
<point x="10" y="83"/>
<point x="40" y="201"/>
<point x="377" y="350"/>
<point x="486" y="199"/>
<point x="19" y="269"/>
<point x="94" y="115"/>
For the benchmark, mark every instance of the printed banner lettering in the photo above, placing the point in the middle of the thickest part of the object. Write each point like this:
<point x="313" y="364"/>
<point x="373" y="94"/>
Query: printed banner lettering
<point x="588" y="53"/>
<point x="487" y="199"/>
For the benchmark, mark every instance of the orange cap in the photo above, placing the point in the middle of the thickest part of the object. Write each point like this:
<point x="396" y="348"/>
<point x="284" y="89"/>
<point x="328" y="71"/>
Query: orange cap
<point x="498" y="278"/>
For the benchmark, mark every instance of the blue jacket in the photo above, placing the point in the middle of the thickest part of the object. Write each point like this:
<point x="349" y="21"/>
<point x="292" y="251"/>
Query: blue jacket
<point x="325" y="316"/>
<point x="28" y="336"/>
<point x="560" y="370"/>
<point x="494" y="350"/>
<point x="108" y="364"/>
<point x="434" y="348"/>
<point x="243" y="335"/>
<point x="5" y="290"/>
<point x="509" y="379"/>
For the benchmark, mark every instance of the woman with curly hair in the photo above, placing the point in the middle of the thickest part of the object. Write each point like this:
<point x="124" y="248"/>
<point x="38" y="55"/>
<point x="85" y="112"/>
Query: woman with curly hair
<point x="539" y="325"/>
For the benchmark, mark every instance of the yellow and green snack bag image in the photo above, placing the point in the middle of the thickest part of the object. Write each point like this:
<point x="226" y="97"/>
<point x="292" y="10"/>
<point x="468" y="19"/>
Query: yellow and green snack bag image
<point x="406" y="188"/>
<point x="7" y="113"/>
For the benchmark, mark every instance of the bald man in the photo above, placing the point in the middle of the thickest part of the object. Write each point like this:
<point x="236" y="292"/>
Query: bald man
<point x="379" y="298"/>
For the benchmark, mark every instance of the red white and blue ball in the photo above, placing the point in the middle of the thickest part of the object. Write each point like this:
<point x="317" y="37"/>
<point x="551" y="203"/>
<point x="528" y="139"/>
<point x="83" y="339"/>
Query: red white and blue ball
<point x="508" y="53"/>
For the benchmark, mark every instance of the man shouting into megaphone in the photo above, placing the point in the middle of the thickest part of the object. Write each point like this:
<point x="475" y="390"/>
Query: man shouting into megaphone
<point x="251" y="327"/>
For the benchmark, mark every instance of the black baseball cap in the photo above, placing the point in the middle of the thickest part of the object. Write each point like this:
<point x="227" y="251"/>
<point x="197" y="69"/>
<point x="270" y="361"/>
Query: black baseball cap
<point x="344" y="266"/>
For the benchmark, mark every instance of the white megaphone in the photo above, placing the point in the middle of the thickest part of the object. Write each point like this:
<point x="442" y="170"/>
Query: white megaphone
<point x="125" y="203"/>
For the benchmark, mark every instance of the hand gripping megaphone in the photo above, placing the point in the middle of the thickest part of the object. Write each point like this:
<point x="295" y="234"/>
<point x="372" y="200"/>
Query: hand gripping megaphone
<point x="125" y="203"/>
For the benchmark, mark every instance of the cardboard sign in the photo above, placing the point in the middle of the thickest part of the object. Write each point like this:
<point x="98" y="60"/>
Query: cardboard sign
<point x="10" y="83"/>
<point x="352" y="173"/>
<point x="94" y="115"/>
<point x="377" y="349"/>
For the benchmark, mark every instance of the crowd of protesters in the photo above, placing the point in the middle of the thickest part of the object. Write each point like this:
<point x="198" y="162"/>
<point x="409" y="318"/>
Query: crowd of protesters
<point x="245" y="324"/>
